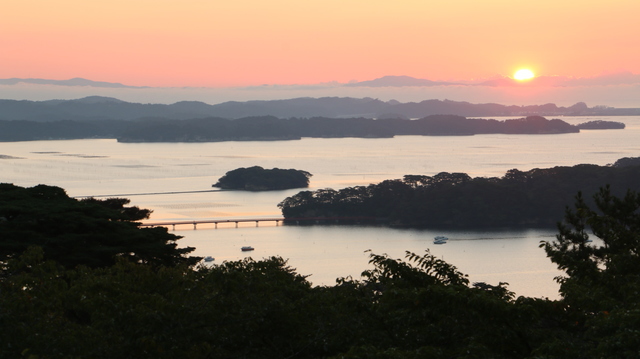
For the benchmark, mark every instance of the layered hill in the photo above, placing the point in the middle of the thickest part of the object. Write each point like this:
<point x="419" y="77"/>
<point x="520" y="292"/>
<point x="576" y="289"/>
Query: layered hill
<point x="102" y="108"/>
<point x="270" y="128"/>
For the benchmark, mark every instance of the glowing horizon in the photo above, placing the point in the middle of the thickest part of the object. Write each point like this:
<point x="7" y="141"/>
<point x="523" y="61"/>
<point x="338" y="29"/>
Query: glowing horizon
<point x="250" y="43"/>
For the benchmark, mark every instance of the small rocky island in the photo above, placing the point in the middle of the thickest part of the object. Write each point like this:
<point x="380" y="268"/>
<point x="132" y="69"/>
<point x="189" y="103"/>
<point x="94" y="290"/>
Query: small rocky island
<point x="601" y="125"/>
<point x="257" y="178"/>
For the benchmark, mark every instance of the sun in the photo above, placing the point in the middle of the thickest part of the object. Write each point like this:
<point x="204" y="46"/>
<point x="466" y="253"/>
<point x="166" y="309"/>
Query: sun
<point x="523" y="75"/>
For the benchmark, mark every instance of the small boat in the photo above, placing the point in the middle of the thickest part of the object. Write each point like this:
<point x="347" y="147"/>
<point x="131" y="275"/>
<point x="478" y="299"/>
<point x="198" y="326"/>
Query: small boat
<point x="209" y="259"/>
<point x="247" y="248"/>
<point x="440" y="240"/>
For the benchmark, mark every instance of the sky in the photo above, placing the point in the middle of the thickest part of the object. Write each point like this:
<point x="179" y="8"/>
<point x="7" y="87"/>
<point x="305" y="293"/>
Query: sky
<point x="244" y="43"/>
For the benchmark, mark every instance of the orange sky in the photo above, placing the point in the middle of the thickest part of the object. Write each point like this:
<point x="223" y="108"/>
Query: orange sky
<point x="252" y="42"/>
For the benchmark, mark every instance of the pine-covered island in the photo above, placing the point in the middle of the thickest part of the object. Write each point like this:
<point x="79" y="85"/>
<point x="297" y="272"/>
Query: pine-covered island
<point x="257" y="178"/>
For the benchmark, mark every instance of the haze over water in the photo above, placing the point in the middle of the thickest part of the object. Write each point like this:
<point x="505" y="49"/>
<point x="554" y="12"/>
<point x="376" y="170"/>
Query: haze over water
<point x="106" y="167"/>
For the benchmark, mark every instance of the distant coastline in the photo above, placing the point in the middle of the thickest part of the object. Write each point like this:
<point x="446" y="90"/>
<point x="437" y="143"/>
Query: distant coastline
<point x="94" y="108"/>
<point x="103" y="117"/>
<point x="269" y="128"/>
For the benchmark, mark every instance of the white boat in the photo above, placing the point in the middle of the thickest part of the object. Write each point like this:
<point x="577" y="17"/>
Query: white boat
<point x="440" y="240"/>
<point x="209" y="259"/>
<point x="247" y="248"/>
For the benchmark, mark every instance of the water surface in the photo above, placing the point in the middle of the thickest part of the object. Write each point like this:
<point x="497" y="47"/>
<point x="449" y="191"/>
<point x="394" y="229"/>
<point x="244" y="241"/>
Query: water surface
<point x="106" y="167"/>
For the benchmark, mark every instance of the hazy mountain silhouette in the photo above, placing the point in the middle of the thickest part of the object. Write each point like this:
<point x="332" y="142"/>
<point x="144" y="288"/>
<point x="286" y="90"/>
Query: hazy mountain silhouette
<point x="100" y="108"/>
<point x="399" y="81"/>
<point x="617" y="78"/>
<point x="77" y="81"/>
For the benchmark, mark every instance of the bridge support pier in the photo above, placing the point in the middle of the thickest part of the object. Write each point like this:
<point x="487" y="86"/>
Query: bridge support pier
<point x="195" y="225"/>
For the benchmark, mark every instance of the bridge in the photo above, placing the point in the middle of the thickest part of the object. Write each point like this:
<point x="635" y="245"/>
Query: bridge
<point x="277" y="220"/>
<point x="214" y="221"/>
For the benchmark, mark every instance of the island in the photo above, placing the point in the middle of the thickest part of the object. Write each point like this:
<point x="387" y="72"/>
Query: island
<point x="519" y="199"/>
<point x="271" y="128"/>
<point x="601" y="125"/>
<point x="257" y="178"/>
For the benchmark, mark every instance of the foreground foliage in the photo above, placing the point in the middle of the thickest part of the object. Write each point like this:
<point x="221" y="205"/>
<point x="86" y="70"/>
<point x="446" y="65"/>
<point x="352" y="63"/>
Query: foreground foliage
<point x="88" y="232"/>
<point x="257" y="309"/>
<point x="602" y="281"/>
<point x="416" y="307"/>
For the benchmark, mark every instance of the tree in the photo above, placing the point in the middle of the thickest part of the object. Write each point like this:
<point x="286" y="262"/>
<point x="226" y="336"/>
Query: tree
<point x="414" y="308"/>
<point x="605" y="274"/>
<point x="241" y="309"/>
<point x="601" y="288"/>
<point x="90" y="232"/>
<point x="424" y="307"/>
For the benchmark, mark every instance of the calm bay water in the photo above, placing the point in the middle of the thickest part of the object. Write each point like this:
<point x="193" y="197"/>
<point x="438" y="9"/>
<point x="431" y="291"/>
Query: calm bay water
<point x="106" y="167"/>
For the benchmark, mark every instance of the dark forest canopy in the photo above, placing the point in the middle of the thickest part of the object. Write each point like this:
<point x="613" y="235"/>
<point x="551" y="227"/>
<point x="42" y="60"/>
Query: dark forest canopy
<point x="88" y="232"/>
<point x="416" y="307"/>
<point x="535" y="198"/>
<point x="257" y="178"/>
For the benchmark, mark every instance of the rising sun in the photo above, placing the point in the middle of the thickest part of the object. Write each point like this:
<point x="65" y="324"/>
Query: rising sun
<point x="523" y="74"/>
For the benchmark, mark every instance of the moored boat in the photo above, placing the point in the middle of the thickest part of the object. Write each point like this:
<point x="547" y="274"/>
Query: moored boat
<point x="440" y="240"/>
<point x="247" y="248"/>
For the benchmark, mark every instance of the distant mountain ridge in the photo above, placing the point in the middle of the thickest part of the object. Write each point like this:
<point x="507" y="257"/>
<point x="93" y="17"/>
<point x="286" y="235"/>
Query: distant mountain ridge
<point x="77" y="81"/>
<point x="102" y="108"/>
<point x="399" y="81"/>
<point x="616" y="78"/>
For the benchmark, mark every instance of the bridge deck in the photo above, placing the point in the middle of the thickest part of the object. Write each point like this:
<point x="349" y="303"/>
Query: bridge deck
<point x="256" y="220"/>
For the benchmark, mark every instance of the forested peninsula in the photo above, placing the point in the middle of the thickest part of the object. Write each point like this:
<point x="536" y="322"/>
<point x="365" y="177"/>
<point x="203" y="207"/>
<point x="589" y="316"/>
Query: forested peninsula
<point x="272" y="128"/>
<point x="269" y="128"/>
<point x="524" y="199"/>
